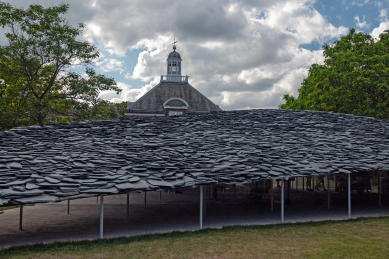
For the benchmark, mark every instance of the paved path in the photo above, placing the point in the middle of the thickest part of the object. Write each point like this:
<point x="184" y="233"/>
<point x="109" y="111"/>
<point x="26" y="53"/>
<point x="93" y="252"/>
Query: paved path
<point x="45" y="223"/>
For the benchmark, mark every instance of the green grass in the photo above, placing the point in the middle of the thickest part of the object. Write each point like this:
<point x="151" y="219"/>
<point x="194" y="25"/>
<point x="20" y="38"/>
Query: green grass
<point x="360" y="238"/>
<point x="8" y="207"/>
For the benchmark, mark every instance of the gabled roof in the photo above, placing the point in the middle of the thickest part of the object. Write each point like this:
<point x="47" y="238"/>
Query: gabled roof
<point x="154" y="99"/>
<point x="76" y="160"/>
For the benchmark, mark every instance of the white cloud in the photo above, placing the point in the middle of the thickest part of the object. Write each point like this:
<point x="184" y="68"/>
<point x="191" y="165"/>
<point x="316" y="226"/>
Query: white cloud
<point x="262" y="59"/>
<point x="128" y="93"/>
<point x="380" y="29"/>
<point x="383" y="15"/>
<point x="361" y="24"/>
<point x="360" y="3"/>
<point x="110" y="64"/>
<point x="239" y="53"/>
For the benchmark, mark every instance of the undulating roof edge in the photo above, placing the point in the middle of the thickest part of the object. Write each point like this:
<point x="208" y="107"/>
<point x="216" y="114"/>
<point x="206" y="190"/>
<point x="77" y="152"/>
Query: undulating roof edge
<point x="77" y="160"/>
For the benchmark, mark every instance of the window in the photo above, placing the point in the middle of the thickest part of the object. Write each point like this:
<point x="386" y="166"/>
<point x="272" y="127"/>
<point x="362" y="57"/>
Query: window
<point x="174" y="67"/>
<point x="174" y="113"/>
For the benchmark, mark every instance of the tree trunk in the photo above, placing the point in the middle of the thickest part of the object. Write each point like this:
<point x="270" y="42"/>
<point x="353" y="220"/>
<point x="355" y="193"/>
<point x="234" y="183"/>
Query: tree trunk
<point x="41" y="120"/>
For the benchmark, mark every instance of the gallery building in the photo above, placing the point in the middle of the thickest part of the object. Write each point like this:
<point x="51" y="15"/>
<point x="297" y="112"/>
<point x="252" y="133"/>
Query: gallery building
<point x="172" y="96"/>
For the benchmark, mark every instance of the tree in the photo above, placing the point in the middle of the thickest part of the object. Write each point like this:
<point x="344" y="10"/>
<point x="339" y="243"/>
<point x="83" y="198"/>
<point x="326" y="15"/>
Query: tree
<point x="42" y="48"/>
<point x="353" y="79"/>
<point x="120" y="108"/>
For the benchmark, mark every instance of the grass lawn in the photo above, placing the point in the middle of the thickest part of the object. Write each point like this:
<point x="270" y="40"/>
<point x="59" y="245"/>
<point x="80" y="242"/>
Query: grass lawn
<point x="8" y="207"/>
<point x="360" y="238"/>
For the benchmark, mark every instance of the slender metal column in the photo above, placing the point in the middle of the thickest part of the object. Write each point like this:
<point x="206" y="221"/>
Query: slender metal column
<point x="303" y="185"/>
<point x="379" y="188"/>
<point x="101" y="216"/>
<point x="211" y="192"/>
<point x="313" y="183"/>
<point x="128" y="206"/>
<point x="145" y="198"/>
<point x="68" y="206"/>
<point x="271" y="197"/>
<point x="201" y="207"/>
<point x="205" y="201"/>
<point x="264" y="189"/>
<point x="349" y="195"/>
<point x="21" y="218"/>
<point x="282" y="201"/>
<point x="297" y="183"/>
<point x="160" y="195"/>
<point x="328" y="191"/>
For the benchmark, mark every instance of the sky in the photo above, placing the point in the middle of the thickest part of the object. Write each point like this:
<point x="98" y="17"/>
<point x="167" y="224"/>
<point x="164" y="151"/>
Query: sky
<point x="240" y="54"/>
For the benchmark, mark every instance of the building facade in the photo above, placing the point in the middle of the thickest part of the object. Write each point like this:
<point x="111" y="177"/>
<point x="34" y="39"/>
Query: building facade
<point x="172" y="96"/>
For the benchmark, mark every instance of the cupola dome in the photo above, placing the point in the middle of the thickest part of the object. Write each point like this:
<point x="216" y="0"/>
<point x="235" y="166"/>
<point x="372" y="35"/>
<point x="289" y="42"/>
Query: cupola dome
<point x="174" y="63"/>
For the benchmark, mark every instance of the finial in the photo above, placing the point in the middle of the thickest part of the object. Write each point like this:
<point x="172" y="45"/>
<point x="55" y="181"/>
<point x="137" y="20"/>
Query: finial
<point x="174" y="43"/>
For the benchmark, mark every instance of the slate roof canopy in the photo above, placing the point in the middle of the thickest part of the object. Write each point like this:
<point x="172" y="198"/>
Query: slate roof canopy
<point x="77" y="160"/>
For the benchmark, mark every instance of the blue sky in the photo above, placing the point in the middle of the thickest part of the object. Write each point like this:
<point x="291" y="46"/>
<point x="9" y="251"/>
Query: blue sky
<point x="239" y="53"/>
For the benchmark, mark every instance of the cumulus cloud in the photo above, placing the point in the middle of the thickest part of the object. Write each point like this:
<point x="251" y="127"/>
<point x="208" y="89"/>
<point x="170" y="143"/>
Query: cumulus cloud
<point x="380" y="29"/>
<point x="128" y="93"/>
<point x="239" y="53"/>
<point x="361" y="24"/>
<point x="110" y="64"/>
<point x="383" y="15"/>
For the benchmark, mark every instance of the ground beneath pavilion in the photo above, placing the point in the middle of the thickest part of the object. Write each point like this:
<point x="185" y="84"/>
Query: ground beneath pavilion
<point x="166" y="212"/>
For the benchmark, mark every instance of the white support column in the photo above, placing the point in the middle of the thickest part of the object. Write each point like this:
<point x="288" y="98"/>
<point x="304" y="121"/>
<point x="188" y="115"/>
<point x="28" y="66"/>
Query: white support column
<point x="68" y="206"/>
<point x="328" y="191"/>
<point x="21" y="218"/>
<point x="349" y="194"/>
<point x="128" y="206"/>
<point x="282" y="200"/>
<point x="101" y="216"/>
<point x="379" y="188"/>
<point x="201" y="207"/>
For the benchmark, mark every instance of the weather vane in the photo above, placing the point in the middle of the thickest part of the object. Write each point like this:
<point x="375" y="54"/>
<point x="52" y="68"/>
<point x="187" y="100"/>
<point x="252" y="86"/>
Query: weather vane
<point x="174" y="43"/>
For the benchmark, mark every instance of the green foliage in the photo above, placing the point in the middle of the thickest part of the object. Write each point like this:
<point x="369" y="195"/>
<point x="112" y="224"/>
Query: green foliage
<point x="120" y="108"/>
<point x="36" y="85"/>
<point x="353" y="78"/>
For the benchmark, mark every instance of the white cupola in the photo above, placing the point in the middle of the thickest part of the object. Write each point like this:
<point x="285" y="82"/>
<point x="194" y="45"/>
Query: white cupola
<point x="174" y="62"/>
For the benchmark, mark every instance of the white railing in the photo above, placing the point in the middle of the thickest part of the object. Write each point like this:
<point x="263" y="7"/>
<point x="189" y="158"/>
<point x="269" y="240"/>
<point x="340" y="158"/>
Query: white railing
<point x="174" y="78"/>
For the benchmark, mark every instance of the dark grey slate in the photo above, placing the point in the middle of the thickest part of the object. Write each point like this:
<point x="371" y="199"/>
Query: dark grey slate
<point x="165" y="152"/>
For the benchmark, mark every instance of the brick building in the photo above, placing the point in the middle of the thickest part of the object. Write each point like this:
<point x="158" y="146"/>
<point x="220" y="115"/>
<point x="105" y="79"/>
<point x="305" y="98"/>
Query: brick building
<point x="172" y="96"/>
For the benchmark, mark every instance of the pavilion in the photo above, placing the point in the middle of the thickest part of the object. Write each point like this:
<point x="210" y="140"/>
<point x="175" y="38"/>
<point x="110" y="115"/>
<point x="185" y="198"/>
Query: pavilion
<point x="98" y="158"/>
